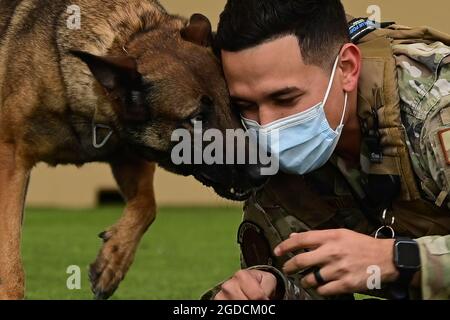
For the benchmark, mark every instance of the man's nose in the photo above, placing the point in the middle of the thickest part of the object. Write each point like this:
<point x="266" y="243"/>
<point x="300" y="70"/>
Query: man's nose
<point x="267" y="114"/>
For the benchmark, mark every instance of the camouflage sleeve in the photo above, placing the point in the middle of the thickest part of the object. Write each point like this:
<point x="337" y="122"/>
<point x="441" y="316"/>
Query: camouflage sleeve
<point x="424" y="85"/>
<point x="286" y="289"/>
<point x="435" y="143"/>
<point x="211" y="293"/>
<point x="435" y="257"/>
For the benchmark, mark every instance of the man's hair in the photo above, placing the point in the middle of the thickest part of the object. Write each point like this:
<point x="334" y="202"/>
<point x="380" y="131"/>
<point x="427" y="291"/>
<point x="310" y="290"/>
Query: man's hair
<point x="319" y="25"/>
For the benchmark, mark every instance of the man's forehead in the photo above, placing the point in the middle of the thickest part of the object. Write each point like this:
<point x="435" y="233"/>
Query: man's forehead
<point x="280" y="57"/>
<point x="276" y="53"/>
<point x="274" y="44"/>
<point x="272" y="91"/>
<point x="269" y="69"/>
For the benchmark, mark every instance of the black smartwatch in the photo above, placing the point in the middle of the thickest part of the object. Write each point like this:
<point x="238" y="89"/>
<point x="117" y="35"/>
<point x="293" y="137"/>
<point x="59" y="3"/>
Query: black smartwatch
<point x="407" y="262"/>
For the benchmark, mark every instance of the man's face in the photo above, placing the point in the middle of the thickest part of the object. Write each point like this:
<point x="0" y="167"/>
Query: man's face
<point x="271" y="81"/>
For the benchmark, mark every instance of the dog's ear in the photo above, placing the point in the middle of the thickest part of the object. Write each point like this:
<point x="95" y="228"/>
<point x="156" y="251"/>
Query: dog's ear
<point x="112" y="72"/>
<point x="198" y="31"/>
<point x="120" y="77"/>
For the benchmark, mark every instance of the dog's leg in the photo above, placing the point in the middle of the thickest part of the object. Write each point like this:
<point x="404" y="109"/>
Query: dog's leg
<point x="13" y="185"/>
<point x="135" y="179"/>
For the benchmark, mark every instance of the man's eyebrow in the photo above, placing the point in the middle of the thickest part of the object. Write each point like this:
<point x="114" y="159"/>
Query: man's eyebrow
<point x="273" y="95"/>
<point x="239" y="99"/>
<point x="284" y="92"/>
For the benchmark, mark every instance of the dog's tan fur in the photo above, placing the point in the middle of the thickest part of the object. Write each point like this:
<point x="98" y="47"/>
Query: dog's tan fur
<point x="49" y="100"/>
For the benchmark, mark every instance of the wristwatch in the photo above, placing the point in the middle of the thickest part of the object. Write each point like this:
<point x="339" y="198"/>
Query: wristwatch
<point x="407" y="262"/>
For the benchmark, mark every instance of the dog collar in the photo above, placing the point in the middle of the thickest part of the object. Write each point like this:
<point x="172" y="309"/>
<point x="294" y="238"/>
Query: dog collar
<point x="95" y="128"/>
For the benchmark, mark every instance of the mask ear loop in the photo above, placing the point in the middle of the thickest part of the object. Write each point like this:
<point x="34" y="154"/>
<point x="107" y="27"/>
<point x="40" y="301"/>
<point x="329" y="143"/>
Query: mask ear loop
<point x="345" y="109"/>
<point x="243" y="124"/>
<point x="330" y="85"/>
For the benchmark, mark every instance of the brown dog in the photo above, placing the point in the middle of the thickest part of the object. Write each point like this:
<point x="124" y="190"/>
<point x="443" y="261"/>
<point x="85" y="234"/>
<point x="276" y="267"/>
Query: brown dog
<point x="112" y="90"/>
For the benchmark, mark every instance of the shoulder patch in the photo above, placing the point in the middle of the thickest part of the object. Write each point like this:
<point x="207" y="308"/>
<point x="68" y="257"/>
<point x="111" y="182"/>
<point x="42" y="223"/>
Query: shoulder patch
<point x="444" y="138"/>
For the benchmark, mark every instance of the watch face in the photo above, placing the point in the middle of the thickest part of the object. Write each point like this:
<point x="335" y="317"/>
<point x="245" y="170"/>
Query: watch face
<point x="407" y="255"/>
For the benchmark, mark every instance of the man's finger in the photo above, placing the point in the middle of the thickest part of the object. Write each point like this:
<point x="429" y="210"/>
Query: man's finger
<point x="310" y="280"/>
<point x="231" y="291"/>
<point x="250" y="286"/>
<point x="305" y="240"/>
<point x="333" y="288"/>
<point x="268" y="281"/>
<point x="304" y="261"/>
<point x="220" y="296"/>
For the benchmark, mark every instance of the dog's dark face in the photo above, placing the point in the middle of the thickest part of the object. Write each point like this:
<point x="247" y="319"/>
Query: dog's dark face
<point x="171" y="80"/>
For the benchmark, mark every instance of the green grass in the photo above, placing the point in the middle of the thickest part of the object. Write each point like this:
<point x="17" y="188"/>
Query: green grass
<point x="184" y="253"/>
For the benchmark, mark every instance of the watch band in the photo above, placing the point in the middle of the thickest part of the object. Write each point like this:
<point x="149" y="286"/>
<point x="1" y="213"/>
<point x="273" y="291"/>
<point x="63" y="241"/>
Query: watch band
<point x="407" y="269"/>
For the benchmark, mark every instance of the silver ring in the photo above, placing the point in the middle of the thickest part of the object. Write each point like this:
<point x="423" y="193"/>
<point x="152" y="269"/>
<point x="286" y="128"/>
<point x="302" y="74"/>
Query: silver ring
<point x="389" y="228"/>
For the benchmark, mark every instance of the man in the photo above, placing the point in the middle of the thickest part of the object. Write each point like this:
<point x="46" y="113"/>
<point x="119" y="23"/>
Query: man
<point x="349" y="171"/>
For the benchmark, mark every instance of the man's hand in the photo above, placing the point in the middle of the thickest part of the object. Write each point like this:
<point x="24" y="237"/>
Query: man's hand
<point x="343" y="257"/>
<point x="248" y="285"/>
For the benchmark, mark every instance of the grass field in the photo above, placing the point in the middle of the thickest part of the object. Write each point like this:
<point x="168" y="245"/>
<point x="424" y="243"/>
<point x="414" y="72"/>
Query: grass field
<point x="184" y="253"/>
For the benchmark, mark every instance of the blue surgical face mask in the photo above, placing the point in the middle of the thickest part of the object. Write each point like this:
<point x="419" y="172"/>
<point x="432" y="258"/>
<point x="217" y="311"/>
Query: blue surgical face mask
<point x="302" y="142"/>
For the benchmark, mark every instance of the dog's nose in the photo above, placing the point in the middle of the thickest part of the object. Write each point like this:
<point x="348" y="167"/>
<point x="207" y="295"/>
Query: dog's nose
<point x="257" y="179"/>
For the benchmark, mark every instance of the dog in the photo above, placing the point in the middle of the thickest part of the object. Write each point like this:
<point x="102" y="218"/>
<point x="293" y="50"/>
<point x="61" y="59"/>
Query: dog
<point x="112" y="89"/>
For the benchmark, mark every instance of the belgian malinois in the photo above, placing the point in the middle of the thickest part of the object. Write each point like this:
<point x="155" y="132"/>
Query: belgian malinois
<point x="111" y="90"/>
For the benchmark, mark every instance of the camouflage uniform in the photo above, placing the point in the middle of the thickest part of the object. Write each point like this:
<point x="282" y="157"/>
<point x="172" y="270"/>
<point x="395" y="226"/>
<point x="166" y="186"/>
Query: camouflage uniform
<point x="424" y="83"/>
<point x="327" y="198"/>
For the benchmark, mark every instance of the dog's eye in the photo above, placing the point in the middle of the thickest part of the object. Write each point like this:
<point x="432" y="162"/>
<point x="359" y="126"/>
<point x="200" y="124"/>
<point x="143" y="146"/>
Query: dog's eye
<point x="207" y="101"/>
<point x="198" y="119"/>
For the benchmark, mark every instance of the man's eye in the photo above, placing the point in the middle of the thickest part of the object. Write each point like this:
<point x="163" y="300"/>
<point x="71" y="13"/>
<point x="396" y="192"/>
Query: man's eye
<point x="289" y="101"/>
<point x="284" y="102"/>
<point x="243" y="106"/>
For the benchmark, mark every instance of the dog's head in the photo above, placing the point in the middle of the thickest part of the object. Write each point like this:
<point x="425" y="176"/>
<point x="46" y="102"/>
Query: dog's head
<point x="170" y="83"/>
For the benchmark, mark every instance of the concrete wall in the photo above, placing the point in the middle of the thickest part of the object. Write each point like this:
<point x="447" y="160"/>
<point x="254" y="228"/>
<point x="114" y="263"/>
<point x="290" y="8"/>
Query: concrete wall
<point x="72" y="187"/>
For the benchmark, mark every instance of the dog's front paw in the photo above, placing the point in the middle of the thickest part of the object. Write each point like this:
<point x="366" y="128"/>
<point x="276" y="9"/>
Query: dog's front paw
<point x="111" y="265"/>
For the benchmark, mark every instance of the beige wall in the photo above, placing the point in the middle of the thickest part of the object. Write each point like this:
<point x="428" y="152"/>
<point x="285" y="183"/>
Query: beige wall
<point x="210" y="8"/>
<point x="72" y="187"/>
<point x="435" y="13"/>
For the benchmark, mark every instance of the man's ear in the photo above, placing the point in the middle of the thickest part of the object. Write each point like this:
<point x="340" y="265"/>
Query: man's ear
<point x="113" y="73"/>
<point x="351" y="66"/>
<point x="198" y="31"/>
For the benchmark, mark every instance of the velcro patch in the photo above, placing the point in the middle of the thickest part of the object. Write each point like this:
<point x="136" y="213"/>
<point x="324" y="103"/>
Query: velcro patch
<point x="444" y="138"/>
<point x="360" y="27"/>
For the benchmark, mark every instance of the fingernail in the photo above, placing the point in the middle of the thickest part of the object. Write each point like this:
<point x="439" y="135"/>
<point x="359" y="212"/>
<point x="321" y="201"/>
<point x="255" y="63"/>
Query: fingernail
<point x="277" y="251"/>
